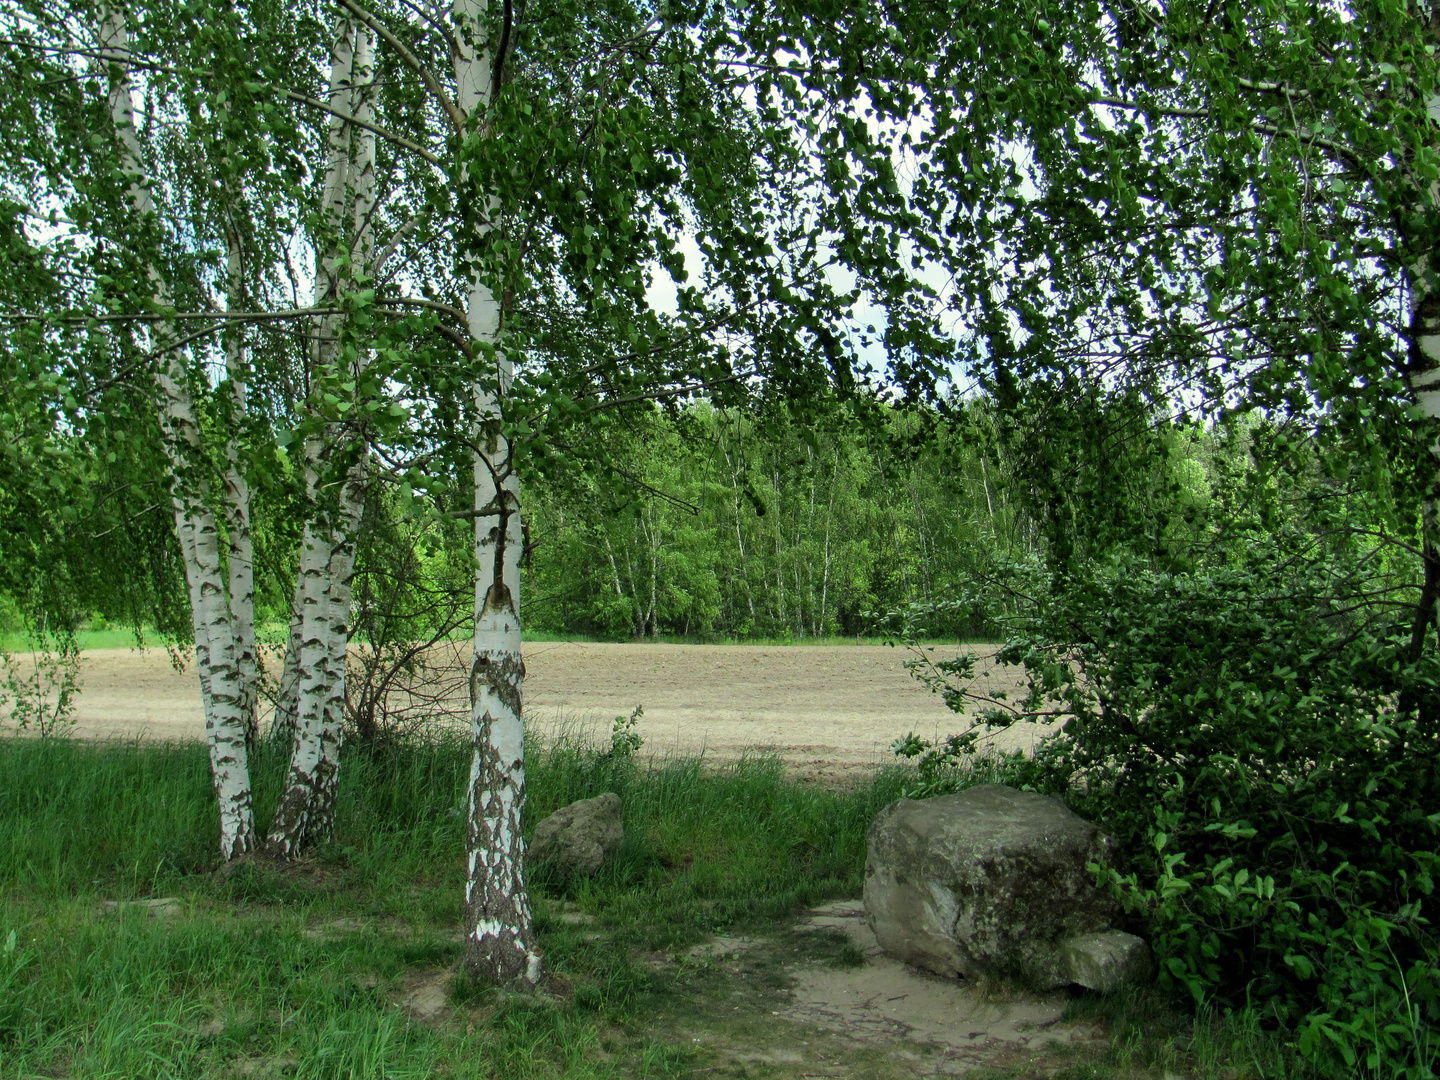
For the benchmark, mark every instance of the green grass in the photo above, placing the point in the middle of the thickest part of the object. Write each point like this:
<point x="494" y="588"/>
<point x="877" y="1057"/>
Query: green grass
<point x="741" y="839"/>
<point x="236" y="978"/>
<point x="109" y="638"/>
<point x="302" y="971"/>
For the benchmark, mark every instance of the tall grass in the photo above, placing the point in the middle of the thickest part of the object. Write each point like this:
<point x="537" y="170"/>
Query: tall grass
<point x="704" y="845"/>
<point x="242" y="974"/>
<point x="297" y="972"/>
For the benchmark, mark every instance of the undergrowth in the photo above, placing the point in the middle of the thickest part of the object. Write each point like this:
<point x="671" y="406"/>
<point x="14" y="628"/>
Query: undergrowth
<point x="304" y="971"/>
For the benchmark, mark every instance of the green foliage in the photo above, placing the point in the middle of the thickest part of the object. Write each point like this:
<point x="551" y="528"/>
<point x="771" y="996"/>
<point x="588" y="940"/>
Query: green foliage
<point x="1230" y="632"/>
<point x="37" y="693"/>
<point x="1265" y="747"/>
<point x="624" y="739"/>
<point x="713" y="524"/>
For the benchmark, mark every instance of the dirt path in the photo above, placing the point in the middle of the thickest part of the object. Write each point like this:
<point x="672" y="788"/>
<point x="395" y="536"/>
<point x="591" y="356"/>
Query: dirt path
<point x="825" y="709"/>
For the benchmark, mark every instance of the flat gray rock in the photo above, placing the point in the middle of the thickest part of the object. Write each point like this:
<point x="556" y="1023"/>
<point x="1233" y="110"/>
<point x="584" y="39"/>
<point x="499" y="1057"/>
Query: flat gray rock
<point x="988" y="882"/>
<point x="162" y="907"/>
<point x="577" y="839"/>
<point x="1106" y="961"/>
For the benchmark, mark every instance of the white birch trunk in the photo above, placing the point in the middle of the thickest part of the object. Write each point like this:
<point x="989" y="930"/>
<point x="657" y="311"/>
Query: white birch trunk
<point x="825" y="579"/>
<point x="287" y="696"/>
<point x="739" y="532"/>
<point x="614" y="566"/>
<point x="307" y="629"/>
<point x="305" y="814"/>
<point x="293" y="827"/>
<point x="241" y="561"/>
<point x="195" y="524"/>
<point x="500" y="945"/>
<point x="1424" y="360"/>
<point x="649" y="622"/>
<point x="985" y="483"/>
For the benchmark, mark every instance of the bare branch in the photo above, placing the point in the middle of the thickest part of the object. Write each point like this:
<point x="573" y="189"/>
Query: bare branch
<point x="394" y="243"/>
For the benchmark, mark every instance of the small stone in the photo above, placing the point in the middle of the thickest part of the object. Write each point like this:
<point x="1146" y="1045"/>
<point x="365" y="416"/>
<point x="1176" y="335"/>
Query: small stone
<point x="577" y="839"/>
<point x="428" y="1001"/>
<point x="162" y="907"/>
<point x="1106" y="961"/>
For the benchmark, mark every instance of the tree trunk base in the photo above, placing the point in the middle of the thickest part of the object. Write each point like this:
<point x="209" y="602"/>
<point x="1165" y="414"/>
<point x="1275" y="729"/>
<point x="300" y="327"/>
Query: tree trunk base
<point x="504" y="960"/>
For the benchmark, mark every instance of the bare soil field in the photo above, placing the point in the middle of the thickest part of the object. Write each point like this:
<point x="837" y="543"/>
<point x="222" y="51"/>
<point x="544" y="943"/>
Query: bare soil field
<point x="826" y="710"/>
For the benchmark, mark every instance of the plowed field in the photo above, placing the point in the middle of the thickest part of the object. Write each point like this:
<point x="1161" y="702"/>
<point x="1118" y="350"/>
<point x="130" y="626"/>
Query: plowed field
<point x="827" y="710"/>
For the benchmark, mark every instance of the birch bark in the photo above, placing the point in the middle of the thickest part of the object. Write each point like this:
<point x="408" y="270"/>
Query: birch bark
<point x="825" y="580"/>
<point x="240" y="565"/>
<point x="216" y="654"/>
<point x="500" y="946"/>
<point x="1424" y="296"/>
<point x="305" y="814"/>
<point x="614" y="566"/>
<point x="739" y="532"/>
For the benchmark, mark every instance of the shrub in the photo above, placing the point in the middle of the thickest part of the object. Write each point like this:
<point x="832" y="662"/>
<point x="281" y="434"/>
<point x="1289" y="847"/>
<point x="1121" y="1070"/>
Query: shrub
<point x="1263" y="738"/>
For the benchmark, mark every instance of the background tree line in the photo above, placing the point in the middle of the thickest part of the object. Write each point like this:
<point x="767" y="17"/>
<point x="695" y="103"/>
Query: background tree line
<point x="718" y="523"/>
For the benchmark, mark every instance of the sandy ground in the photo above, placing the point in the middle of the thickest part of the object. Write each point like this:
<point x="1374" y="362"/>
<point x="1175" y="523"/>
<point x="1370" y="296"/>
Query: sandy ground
<point x="887" y="1000"/>
<point x="825" y="709"/>
<point x="918" y="1022"/>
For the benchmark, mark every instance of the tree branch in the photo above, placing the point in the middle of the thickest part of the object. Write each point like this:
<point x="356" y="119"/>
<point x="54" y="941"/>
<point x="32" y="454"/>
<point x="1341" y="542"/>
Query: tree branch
<point x="411" y="61"/>
<point x="661" y="395"/>
<point x="1259" y="125"/>
<point x="110" y="56"/>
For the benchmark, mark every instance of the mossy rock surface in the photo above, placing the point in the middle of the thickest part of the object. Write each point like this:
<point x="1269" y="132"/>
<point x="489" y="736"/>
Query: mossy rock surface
<point x="990" y="882"/>
<point x="576" y="840"/>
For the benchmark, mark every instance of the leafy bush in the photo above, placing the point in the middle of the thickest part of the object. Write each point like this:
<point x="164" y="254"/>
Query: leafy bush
<point x="1263" y="738"/>
<point x="38" y="694"/>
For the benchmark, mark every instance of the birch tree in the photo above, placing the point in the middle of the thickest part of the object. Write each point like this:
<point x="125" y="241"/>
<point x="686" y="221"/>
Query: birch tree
<point x="218" y="652"/>
<point x="565" y="187"/>
<point x="499" y="933"/>
<point x="200" y="141"/>
<point x="574" y="152"/>
<point x="321" y="639"/>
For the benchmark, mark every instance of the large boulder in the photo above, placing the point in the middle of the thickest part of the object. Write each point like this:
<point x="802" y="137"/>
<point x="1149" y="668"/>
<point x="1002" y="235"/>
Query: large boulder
<point x="577" y="839"/>
<point x="991" y="881"/>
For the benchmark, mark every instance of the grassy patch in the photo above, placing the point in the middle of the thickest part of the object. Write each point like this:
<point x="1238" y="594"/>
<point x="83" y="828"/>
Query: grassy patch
<point x="111" y="637"/>
<point x="347" y="965"/>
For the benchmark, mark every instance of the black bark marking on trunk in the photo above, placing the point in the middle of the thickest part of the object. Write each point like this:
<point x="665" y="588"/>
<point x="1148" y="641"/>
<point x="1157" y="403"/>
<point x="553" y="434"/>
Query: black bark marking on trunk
<point x="305" y="815"/>
<point x="500" y="940"/>
<point x="502" y="675"/>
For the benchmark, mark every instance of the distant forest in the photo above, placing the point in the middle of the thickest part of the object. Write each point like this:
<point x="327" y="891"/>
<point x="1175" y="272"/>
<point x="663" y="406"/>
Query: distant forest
<point x="711" y="526"/>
